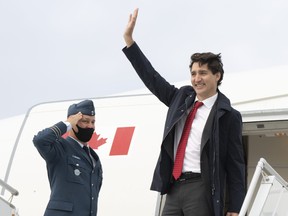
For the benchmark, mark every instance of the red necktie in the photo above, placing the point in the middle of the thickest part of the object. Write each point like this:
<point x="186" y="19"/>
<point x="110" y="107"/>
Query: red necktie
<point x="178" y="163"/>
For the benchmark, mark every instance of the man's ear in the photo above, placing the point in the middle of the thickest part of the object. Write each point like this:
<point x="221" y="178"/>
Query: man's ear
<point x="218" y="76"/>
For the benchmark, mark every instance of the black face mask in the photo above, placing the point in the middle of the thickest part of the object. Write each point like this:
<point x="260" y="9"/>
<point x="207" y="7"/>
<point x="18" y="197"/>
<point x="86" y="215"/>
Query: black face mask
<point x="84" y="134"/>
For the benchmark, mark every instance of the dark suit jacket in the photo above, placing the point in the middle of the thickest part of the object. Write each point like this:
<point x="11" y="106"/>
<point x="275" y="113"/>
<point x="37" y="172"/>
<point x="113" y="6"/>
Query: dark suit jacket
<point x="222" y="157"/>
<point x="74" y="182"/>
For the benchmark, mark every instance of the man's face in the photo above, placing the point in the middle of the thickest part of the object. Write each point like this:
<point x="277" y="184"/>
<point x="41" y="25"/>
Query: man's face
<point x="204" y="81"/>
<point x="84" y="129"/>
<point x="87" y="122"/>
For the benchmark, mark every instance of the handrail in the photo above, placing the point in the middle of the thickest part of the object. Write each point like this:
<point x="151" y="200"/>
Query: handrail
<point x="262" y="165"/>
<point x="12" y="190"/>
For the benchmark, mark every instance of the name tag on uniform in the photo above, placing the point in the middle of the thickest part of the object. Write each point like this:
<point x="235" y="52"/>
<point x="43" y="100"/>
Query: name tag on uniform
<point x="76" y="157"/>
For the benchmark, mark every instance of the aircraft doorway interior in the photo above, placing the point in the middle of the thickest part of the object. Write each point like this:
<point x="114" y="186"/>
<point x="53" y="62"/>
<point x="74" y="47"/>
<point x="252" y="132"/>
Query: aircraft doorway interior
<point x="269" y="140"/>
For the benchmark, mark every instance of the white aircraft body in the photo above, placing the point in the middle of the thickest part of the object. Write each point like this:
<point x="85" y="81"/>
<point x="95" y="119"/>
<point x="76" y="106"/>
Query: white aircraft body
<point x="127" y="138"/>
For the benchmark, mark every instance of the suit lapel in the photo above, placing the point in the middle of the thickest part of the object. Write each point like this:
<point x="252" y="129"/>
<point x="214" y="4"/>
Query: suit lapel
<point x="179" y="114"/>
<point x="189" y="101"/>
<point x="208" y="127"/>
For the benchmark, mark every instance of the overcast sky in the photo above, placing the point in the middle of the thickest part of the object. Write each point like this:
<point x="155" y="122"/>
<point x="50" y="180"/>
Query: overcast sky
<point x="54" y="50"/>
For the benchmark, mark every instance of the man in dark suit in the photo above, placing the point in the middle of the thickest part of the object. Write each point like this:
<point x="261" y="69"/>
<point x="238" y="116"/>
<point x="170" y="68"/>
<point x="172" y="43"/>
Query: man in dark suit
<point x="214" y="153"/>
<point x="75" y="174"/>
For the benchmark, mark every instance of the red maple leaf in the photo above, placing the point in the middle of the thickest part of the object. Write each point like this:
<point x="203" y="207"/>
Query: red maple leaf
<point x="94" y="142"/>
<point x="65" y="135"/>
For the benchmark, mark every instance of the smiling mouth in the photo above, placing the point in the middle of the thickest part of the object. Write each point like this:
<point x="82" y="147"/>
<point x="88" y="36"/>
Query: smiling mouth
<point x="199" y="85"/>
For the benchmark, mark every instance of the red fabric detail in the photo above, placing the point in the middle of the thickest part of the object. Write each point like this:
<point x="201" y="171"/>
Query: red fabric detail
<point x="178" y="163"/>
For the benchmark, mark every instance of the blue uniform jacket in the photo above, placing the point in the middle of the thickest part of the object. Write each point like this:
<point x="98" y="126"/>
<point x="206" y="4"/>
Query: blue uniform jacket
<point x="222" y="153"/>
<point x="74" y="182"/>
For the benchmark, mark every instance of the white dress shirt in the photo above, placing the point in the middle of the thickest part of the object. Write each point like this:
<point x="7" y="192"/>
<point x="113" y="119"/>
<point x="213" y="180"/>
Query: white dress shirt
<point x="192" y="152"/>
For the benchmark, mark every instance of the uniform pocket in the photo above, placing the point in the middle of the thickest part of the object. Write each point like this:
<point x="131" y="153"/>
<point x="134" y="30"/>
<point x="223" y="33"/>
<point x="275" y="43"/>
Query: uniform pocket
<point x="60" y="205"/>
<point x="76" y="170"/>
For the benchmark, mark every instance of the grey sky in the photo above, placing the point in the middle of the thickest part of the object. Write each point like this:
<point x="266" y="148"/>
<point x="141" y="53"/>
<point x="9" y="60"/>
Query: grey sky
<point x="69" y="49"/>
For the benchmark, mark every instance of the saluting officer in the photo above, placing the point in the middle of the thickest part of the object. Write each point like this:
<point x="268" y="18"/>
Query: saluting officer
<point x="75" y="175"/>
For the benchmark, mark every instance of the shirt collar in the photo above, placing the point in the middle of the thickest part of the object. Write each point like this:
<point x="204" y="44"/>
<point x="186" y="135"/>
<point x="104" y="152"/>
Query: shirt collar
<point x="209" y="102"/>
<point x="81" y="145"/>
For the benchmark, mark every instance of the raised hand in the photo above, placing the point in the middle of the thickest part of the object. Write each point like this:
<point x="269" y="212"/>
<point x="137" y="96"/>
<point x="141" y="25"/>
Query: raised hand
<point x="128" y="34"/>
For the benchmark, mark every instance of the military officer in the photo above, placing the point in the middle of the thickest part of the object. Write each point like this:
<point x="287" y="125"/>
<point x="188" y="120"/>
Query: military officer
<point x="75" y="174"/>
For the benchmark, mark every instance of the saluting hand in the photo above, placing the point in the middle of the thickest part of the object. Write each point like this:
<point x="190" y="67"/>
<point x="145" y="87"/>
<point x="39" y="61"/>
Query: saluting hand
<point x="128" y="34"/>
<point x="73" y="120"/>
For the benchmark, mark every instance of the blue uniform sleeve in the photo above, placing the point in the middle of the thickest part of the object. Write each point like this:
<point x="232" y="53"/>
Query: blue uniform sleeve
<point x="47" y="141"/>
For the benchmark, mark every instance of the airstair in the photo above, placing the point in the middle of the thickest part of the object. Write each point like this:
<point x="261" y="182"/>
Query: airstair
<point x="267" y="193"/>
<point x="6" y="207"/>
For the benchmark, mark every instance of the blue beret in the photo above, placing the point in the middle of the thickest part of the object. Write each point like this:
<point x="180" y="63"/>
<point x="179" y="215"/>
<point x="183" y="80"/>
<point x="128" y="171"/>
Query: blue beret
<point x="86" y="107"/>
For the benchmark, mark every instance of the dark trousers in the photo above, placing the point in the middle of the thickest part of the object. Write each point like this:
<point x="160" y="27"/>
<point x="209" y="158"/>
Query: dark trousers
<point x="189" y="198"/>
